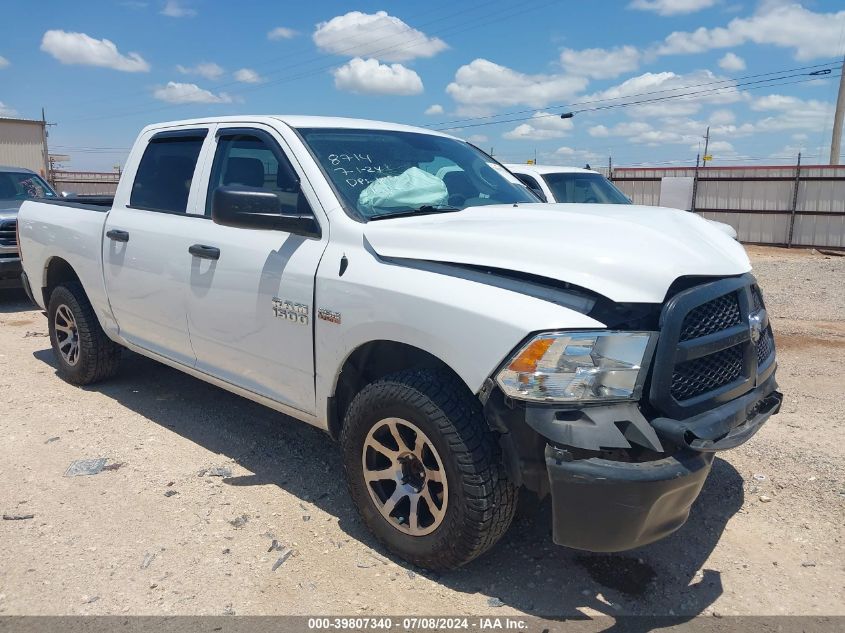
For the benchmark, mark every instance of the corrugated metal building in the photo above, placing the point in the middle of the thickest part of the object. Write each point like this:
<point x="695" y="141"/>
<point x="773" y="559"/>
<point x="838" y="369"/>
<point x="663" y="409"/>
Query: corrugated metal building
<point x="23" y="143"/>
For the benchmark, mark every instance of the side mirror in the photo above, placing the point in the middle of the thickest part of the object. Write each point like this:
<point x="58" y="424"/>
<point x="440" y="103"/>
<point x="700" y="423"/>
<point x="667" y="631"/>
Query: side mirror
<point x="246" y="208"/>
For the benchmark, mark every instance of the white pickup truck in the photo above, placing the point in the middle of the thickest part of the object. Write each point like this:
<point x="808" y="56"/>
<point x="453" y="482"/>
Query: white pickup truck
<point x="403" y="291"/>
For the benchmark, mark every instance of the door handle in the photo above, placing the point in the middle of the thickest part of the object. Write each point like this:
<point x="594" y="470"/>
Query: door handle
<point x="204" y="252"/>
<point x="118" y="236"/>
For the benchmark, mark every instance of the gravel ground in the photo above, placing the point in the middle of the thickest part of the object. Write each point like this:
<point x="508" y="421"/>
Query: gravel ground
<point x="210" y="504"/>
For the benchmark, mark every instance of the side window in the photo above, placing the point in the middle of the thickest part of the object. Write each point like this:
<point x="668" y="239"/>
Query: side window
<point x="528" y="181"/>
<point x="246" y="160"/>
<point x="532" y="184"/>
<point x="164" y="176"/>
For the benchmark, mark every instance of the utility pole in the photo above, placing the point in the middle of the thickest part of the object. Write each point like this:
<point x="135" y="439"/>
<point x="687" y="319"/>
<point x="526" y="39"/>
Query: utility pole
<point x="706" y="145"/>
<point x="836" y="141"/>
<point x="48" y="167"/>
<point x="695" y="183"/>
<point x="609" y="167"/>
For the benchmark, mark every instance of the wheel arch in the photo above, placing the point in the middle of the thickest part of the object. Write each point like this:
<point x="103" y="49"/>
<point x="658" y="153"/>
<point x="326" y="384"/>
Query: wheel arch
<point x="57" y="270"/>
<point x="371" y="361"/>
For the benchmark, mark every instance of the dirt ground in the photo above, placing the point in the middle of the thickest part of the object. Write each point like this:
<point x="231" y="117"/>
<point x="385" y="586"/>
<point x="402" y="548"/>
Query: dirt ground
<point x="159" y="532"/>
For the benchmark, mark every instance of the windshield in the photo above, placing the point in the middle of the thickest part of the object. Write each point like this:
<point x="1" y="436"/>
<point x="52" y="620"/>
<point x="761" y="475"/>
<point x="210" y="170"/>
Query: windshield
<point x="584" y="187"/>
<point x="383" y="173"/>
<point x="21" y="186"/>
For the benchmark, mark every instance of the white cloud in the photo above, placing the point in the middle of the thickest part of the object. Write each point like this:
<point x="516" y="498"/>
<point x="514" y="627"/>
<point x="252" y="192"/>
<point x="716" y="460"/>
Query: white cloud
<point x="484" y="83"/>
<point x="788" y="113"/>
<point x="7" y="111"/>
<point x="811" y="35"/>
<point x="541" y="126"/>
<point x="600" y="63"/>
<point x="672" y="7"/>
<point x="377" y="36"/>
<point x="4" y="62"/>
<point x="566" y="151"/>
<point x="248" y="76"/>
<point x="669" y="84"/>
<point x="79" y="48"/>
<point x="799" y="137"/>
<point x="175" y="9"/>
<point x="281" y="33"/>
<point x="732" y="62"/>
<point x="209" y="70"/>
<point x="434" y="110"/>
<point x="643" y="133"/>
<point x="721" y="117"/>
<point x="715" y="147"/>
<point x="477" y="138"/>
<point x="370" y="77"/>
<point x="175" y="92"/>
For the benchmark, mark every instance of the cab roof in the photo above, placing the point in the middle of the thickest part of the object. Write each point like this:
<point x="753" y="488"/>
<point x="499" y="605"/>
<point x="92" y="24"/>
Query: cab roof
<point x="548" y="169"/>
<point x="301" y="121"/>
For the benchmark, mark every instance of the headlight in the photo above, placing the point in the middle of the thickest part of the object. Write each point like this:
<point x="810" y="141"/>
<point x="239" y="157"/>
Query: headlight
<point x="578" y="366"/>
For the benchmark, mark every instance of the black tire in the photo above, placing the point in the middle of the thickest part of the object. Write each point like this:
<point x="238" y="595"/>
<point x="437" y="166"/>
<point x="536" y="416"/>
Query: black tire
<point x="98" y="357"/>
<point x="481" y="499"/>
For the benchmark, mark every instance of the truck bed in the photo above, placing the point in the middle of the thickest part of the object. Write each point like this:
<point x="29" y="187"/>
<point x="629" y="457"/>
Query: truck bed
<point x="69" y="230"/>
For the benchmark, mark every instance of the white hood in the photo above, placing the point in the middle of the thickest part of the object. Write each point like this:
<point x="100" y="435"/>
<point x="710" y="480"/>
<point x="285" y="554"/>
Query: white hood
<point x="627" y="257"/>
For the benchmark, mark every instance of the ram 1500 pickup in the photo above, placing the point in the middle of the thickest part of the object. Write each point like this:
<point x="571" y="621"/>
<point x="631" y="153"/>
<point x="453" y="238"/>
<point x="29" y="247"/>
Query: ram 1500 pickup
<point x="403" y="291"/>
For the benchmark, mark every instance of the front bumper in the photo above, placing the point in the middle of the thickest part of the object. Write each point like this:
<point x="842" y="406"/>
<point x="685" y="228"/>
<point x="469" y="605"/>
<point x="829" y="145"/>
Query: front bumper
<point x="637" y="488"/>
<point x="608" y="506"/>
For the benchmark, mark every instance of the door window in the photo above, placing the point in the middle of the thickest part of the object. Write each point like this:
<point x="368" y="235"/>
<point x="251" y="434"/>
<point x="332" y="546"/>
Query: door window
<point x="164" y="176"/>
<point x="532" y="184"/>
<point x="247" y="160"/>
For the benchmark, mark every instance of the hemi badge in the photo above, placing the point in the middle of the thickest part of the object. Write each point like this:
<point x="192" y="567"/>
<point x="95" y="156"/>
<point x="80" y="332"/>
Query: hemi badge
<point x="328" y="315"/>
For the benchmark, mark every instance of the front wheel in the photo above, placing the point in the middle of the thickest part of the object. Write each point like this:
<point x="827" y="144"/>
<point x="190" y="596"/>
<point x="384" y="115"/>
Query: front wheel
<point x="424" y="469"/>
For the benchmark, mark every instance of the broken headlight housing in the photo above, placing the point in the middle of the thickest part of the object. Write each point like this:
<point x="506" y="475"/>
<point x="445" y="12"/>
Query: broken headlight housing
<point x="579" y="367"/>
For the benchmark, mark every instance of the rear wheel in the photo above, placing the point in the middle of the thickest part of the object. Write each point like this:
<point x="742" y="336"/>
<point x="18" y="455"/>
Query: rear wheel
<point x="424" y="469"/>
<point x="83" y="351"/>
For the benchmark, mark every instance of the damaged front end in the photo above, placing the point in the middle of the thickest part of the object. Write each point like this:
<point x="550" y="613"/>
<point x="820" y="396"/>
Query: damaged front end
<point x="626" y="473"/>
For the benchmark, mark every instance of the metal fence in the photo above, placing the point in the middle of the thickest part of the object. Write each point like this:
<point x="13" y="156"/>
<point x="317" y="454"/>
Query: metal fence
<point x="86" y="182"/>
<point x="785" y="205"/>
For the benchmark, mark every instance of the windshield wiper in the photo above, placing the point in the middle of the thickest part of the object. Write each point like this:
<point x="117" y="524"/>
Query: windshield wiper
<point x="426" y="209"/>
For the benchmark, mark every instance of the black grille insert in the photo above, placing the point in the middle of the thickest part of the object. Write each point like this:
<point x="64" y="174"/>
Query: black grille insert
<point x="713" y="316"/>
<point x="765" y="346"/>
<point x="695" y="377"/>
<point x="7" y="233"/>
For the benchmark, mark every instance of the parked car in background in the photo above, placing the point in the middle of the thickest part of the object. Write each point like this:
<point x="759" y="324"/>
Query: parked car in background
<point x="399" y="289"/>
<point x="552" y="183"/>
<point x="16" y="185"/>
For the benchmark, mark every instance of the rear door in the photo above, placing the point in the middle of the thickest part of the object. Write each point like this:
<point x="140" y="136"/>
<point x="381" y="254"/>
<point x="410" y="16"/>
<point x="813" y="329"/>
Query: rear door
<point x="148" y="233"/>
<point x="251" y="298"/>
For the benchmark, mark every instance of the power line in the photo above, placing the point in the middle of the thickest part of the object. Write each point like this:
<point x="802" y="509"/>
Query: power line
<point x="766" y="83"/>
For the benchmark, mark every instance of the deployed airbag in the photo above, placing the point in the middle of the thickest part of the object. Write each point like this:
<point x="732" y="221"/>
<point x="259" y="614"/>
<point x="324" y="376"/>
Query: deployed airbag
<point x="412" y="189"/>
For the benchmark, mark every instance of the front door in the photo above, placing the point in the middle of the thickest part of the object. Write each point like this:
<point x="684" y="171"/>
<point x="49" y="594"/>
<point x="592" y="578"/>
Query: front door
<point x="145" y="247"/>
<point x="251" y="293"/>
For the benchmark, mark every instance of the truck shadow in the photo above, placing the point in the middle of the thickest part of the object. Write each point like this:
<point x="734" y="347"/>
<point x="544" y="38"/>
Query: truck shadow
<point x="14" y="300"/>
<point x="524" y="571"/>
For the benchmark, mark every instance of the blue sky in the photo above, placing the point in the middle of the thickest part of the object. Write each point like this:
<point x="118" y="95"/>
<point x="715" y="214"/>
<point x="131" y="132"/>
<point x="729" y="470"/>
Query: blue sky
<point x="505" y="69"/>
